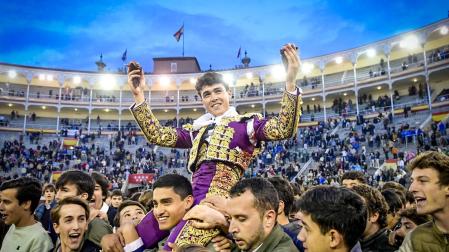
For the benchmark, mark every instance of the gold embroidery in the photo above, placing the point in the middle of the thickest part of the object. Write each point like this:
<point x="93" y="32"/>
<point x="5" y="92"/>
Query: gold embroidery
<point x="154" y="132"/>
<point x="286" y="124"/>
<point x="191" y="235"/>
<point x="191" y="165"/>
<point x="224" y="179"/>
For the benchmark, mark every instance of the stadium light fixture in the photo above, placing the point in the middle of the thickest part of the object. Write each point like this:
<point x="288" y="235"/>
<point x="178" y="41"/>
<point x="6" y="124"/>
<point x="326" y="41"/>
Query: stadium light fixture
<point x="379" y="87"/>
<point x="409" y="42"/>
<point x="313" y="98"/>
<point x="278" y="72"/>
<point x="107" y="81"/>
<point x="106" y="110"/>
<point x="194" y="109"/>
<point x="444" y="30"/>
<point x="307" y="68"/>
<point x="338" y="60"/>
<point x="415" y="79"/>
<point x="49" y="77"/>
<point x="249" y="75"/>
<point x="164" y="80"/>
<point x="345" y="94"/>
<point x="41" y="77"/>
<point x="228" y="78"/>
<point x="9" y="104"/>
<point x="371" y="52"/>
<point x="44" y="107"/>
<point x="165" y="110"/>
<point x="76" y="109"/>
<point x="252" y="105"/>
<point x="12" y="74"/>
<point x="77" y="79"/>
<point x="192" y="80"/>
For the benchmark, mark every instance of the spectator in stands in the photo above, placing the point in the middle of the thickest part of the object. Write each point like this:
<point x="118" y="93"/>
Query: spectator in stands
<point x="286" y="198"/>
<point x="333" y="219"/>
<point x="18" y="200"/>
<point x="116" y="198"/>
<point x="352" y="178"/>
<point x="430" y="187"/>
<point x="100" y="194"/>
<point x="129" y="212"/>
<point x="253" y="210"/>
<point x="409" y="221"/>
<point x="395" y="204"/>
<point x="74" y="183"/>
<point x="375" y="236"/>
<point x="252" y="129"/>
<point x="42" y="212"/>
<point x="70" y="220"/>
<point x="172" y="198"/>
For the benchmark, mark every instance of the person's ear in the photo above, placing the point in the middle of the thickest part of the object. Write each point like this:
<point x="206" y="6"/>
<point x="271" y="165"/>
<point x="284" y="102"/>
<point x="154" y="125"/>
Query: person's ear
<point x="270" y="219"/>
<point x="84" y="196"/>
<point x="56" y="228"/>
<point x="373" y="217"/>
<point x="281" y="207"/>
<point x="335" y="239"/>
<point x="26" y="205"/>
<point x="189" y="202"/>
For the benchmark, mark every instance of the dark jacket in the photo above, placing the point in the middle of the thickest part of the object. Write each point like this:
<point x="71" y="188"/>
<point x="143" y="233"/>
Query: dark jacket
<point x="378" y="242"/>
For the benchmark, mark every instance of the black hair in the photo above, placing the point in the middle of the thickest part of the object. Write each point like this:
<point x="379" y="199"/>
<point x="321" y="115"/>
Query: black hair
<point x="265" y="195"/>
<point x="84" y="182"/>
<point x="354" y="175"/>
<point x="285" y="192"/>
<point x="375" y="202"/>
<point x="117" y="192"/>
<point x="103" y="182"/>
<point x="181" y="185"/>
<point x="28" y="189"/>
<point x="393" y="200"/>
<point x="336" y="208"/>
<point x="122" y="206"/>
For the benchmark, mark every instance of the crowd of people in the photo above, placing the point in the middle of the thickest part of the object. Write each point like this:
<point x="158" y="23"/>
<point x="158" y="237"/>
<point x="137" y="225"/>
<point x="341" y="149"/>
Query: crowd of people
<point x="80" y="212"/>
<point x="246" y="191"/>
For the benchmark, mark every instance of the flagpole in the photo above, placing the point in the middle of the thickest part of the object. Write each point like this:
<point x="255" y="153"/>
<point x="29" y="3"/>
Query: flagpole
<point x="183" y="35"/>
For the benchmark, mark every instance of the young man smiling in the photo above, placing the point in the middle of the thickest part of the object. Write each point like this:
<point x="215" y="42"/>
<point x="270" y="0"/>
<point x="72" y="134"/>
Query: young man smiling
<point x="18" y="200"/>
<point x="74" y="183"/>
<point x="70" y="220"/>
<point x="222" y="143"/>
<point x="430" y="187"/>
<point x="172" y="198"/>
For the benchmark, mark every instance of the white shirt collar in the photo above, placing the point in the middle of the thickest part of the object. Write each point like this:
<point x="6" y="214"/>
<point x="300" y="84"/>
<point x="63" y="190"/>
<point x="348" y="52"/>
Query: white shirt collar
<point x="104" y="208"/>
<point x="208" y="118"/>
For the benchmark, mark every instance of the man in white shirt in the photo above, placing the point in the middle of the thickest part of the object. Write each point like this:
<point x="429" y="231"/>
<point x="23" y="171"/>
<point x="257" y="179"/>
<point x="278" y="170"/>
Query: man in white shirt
<point x="18" y="200"/>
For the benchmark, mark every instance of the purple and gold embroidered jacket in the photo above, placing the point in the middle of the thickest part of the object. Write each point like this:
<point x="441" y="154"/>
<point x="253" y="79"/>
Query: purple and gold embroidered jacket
<point x="219" y="154"/>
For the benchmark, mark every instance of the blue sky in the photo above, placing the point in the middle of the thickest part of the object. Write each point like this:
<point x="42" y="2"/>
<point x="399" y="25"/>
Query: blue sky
<point x="73" y="34"/>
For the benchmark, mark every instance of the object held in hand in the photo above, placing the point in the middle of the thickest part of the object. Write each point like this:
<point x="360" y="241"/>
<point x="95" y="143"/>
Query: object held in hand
<point x="284" y="59"/>
<point x="135" y="66"/>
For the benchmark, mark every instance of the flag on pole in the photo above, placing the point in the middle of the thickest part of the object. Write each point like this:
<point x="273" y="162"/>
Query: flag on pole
<point x="124" y="55"/>
<point x="239" y="52"/>
<point x="179" y="33"/>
